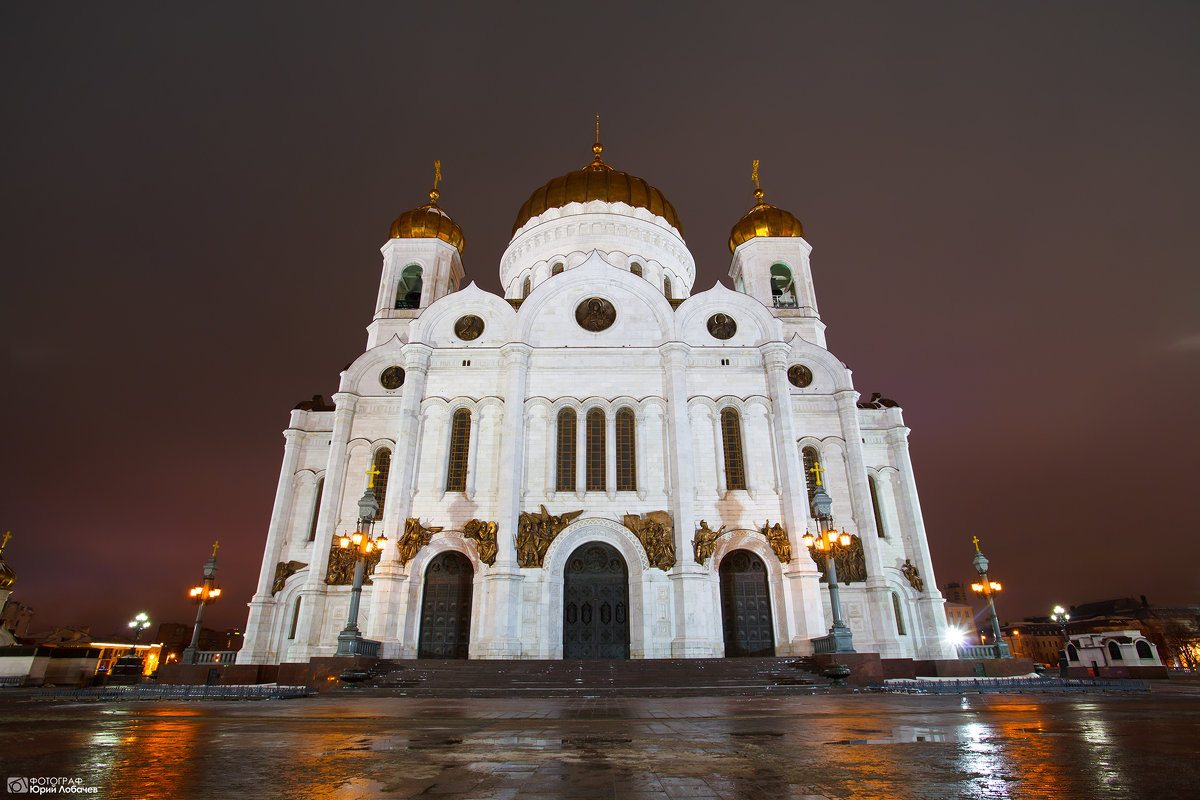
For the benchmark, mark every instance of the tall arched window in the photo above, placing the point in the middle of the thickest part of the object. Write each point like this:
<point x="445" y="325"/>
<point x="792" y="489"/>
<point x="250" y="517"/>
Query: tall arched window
<point x="899" y="615"/>
<point x="316" y="511"/>
<point x="408" y="294"/>
<point x="812" y="462"/>
<point x="564" y="468"/>
<point x="783" y="290"/>
<point x="383" y="466"/>
<point x="875" y="505"/>
<point x="667" y="286"/>
<point x="636" y="269"/>
<point x="626" y="451"/>
<point x="1114" y="651"/>
<point x="295" y="618"/>
<point x="595" y="451"/>
<point x="460" y="439"/>
<point x="1143" y="649"/>
<point x="556" y="269"/>
<point x="1072" y="653"/>
<point x="526" y="287"/>
<point x="731" y="441"/>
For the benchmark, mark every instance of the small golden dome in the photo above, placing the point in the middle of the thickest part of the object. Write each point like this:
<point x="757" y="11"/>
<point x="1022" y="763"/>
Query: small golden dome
<point x="597" y="181"/>
<point x="764" y="220"/>
<point x="7" y="576"/>
<point x="428" y="222"/>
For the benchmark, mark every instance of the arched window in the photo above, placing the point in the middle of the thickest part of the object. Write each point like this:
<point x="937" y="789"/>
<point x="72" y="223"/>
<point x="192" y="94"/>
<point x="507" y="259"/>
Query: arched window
<point x="1143" y="649"/>
<point x="899" y="616"/>
<point x="383" y="466"/>
<point x="812" y="463"/>
<point x="731" y="440"/>
<point x="316" y="511"/>
<point x="1072" y="653"/>
<point x="453" y="286"/>
<point x="875" y="505"/>
<point x="636" y="269"/>
<point x="783" y="290"/>
<point x="741" y="286"/>
<point x="1114" y="651"/>
<point x="626" y="447"/>
<point x="295" y="617"/>
<point x="526" y="287"/>
<point x="408" y="294"/>
<point x="565" y="462"/>
<point x="667" y="286"/>
<point x="557" y="268"/>
<point x="460" y="438"/>
<point x="595" y="451"/>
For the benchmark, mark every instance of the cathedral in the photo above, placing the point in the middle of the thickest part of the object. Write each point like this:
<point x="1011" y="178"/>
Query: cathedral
<point x="602" y="462"/>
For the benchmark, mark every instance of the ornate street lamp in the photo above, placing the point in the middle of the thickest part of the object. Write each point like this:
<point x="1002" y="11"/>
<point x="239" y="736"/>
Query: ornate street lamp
<point x="202" y="595"/>
<point x="1061" y="616"/>
<point x="360" y="543"/>
<point x="139" y="624"/>
<point x="988" y="588"/>
<point x="839" y="639"/>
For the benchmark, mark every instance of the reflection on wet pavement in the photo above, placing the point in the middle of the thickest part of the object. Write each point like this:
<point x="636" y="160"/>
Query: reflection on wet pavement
<point x="835" y="746"/>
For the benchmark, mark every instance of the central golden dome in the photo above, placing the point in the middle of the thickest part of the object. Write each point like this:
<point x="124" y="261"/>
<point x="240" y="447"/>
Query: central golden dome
<point x="597" y="181"/>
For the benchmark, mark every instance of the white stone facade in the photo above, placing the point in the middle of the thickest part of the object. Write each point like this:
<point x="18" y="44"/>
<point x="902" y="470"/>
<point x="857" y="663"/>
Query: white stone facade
<point x="657" y="359"/>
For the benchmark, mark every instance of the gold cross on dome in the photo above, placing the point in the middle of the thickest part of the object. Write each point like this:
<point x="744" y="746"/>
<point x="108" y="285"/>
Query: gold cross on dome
<point x="597" y="129"/>
<point x="3" y="544"/>
<point x="437" y="173"/>
<point x="754" y="176"/>
<point x="816" y="470"/>
<point x="371" y="473"/>
<point x="215" y="546"/>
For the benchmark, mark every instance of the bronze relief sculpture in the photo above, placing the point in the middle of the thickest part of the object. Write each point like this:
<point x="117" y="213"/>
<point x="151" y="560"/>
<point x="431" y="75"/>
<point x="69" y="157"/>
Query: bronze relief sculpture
<point x="705" y="541"/>
<point x="909" y="570"/>
<point x="777" y="537"/>
<point x="850" y="560"/>
<point x="799" y="375"/>
<point x="392" y="378"/>
<point x="341" y="566"/>
<point x="283" y="572"/>
<point x="722" y="326"/>
<point x="595" y="314"/>
<point x="535" y="532"/>
<point x="468" y="327"/>
<point x="657" y="535"/>
<point x="484" y="535"/>
<point x="415" y="537"/>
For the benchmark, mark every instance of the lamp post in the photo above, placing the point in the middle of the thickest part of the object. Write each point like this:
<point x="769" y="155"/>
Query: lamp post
<point x="202" y="595"/>
<point x="839" y="639"/>
<point x="350" y="640"/>
<point x="1061" y="616"/>
<point x="139" y="624"/>
<point x="988" y="588"/>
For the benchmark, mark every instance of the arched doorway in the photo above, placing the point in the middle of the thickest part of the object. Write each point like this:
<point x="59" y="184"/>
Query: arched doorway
<point x="446" y="608"/>
<point x="596" y="603"/>
<point x="746" y="606"/>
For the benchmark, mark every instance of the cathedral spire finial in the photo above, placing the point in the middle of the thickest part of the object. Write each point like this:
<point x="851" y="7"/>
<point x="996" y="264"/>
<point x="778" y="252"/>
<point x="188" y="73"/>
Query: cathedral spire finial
<point x="597" y="148"/>
<point x="4" y="543"/>
<point x="758" y="192"/>
<point x="434" y="194"/>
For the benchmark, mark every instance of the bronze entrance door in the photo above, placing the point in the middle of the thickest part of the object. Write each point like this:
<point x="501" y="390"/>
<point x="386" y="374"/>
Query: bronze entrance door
<point x="596" y="604"/>
<point x="446" y="608"/>
<point x="746" y="606"/>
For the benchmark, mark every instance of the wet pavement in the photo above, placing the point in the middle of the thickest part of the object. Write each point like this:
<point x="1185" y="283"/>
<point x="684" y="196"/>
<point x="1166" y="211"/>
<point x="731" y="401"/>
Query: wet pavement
<point x="828" y="746"/>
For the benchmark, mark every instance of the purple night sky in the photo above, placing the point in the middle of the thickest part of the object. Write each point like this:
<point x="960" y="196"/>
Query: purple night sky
<point x="1002" y="201"/>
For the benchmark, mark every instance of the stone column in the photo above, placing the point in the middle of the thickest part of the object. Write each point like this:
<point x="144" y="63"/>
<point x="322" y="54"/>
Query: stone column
<point x="500" y="634"/>
<point x="801" y="573"/>
<point x="256" y="645"/>
<point x="312" y="607"/>
<point x="695" y="612"/>
<point x="931" y="603"/>
<point x="390" y="579"/>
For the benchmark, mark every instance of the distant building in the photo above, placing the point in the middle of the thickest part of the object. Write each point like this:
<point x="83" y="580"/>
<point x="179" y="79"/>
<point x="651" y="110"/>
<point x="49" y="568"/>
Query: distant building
<point x="962" y="617"/>
<point x="956" y="593"/>
<point x="1174" y="631"/>
<point x="1039" y="641"/>
<point x="1120" y="650"/>
<point x="176" y="636"/>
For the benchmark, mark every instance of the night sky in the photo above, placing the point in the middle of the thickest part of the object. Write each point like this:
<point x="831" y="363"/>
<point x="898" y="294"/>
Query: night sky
<point x="1002" y="201"/>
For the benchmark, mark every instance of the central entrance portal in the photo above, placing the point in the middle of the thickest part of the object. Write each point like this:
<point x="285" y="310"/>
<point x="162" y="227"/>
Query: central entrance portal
<point x="446" y="609"/>
<point x="746" y="606"/>
<point x="596" y="603"/>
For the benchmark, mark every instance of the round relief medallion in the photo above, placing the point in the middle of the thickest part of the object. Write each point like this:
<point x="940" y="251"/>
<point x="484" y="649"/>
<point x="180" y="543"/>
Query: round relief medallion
<point x="391" y="378"/>
<point x="799" y="375"/>
<point x="595" y="314"/>
<point x="468" y="327"/>
<point x="722" y="326"/>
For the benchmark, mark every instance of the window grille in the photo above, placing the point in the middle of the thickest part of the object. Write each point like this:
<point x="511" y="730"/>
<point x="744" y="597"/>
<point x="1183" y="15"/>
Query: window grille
<point x="626" y="451"/>
<point x="595" y="451"/>
<point x="460" y="438"/>
<point x="565" y="456"/>
<point x="731" y="438"/>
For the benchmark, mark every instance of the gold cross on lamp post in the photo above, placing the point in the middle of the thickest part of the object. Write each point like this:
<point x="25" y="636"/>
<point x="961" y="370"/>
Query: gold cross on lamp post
<point x="816" y="470"/>
<point x="371" y="473"/>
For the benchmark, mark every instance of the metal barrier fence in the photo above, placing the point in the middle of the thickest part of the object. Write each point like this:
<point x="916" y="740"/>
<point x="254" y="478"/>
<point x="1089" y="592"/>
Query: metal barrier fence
<point x="982" y="685"/>
<point x="180" y="692"/>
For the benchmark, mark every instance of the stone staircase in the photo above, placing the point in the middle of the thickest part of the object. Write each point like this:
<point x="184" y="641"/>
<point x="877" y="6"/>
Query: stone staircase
<point x="579" y="678"/>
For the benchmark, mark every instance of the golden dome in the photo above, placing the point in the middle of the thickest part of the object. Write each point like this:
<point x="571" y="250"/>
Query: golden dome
<point x="7" y="576"/>
<point x="428" y="222"/>
<point x="763" y="220"/>
<point x="597" y="181"/>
